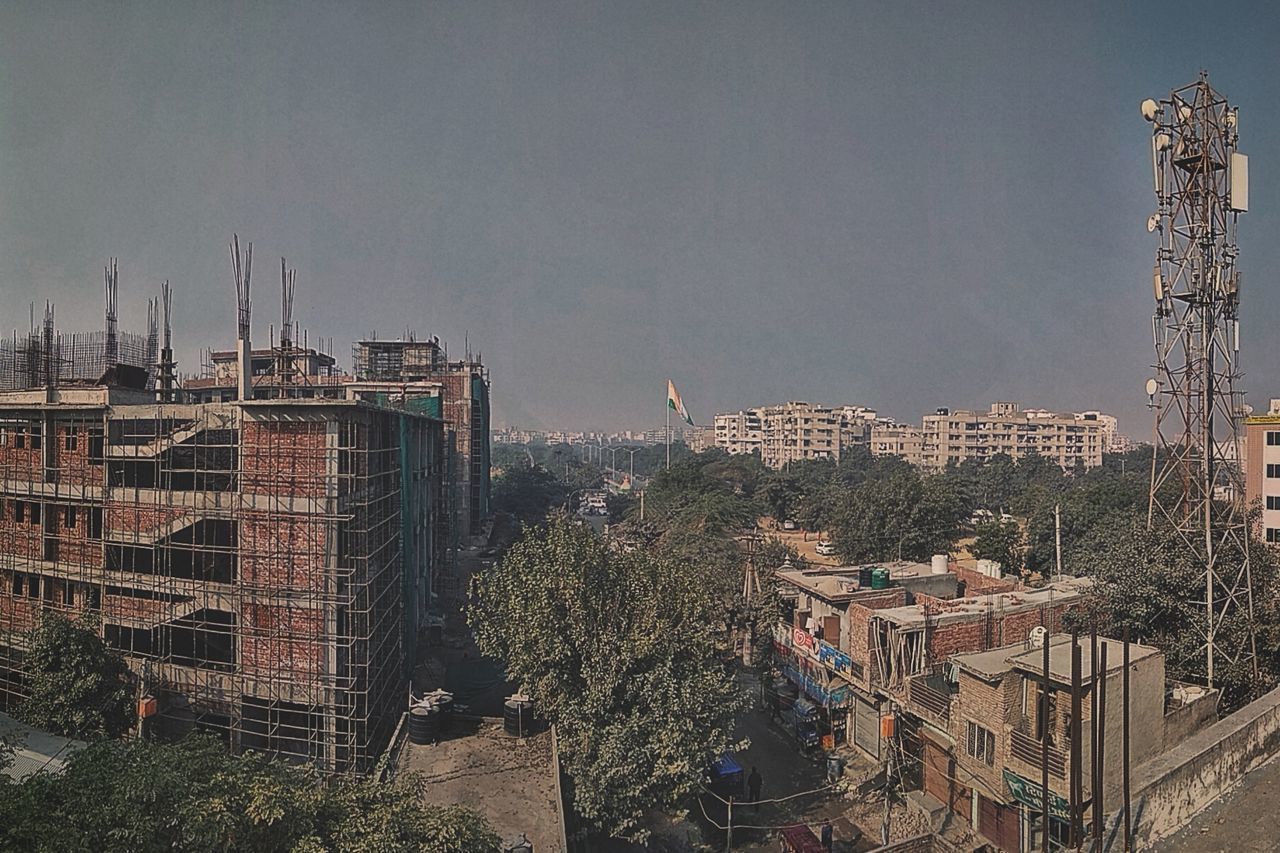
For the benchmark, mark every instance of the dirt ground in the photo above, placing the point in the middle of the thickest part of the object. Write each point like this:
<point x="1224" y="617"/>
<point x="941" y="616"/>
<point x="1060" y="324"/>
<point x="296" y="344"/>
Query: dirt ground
<point x="506" y="779"/>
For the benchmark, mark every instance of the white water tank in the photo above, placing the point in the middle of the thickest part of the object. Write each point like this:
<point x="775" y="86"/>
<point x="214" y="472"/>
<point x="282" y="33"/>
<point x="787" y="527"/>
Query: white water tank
<point x="939" y="564"/>
<point x="990" y="568"/>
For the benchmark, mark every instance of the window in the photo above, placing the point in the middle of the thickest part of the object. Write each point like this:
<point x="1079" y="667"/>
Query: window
<point x="17" y="583"/>
<point x="19" y="512"/>
<point x="1273" y="438"/>
<point x="20" y="438"/>
<point x="981" y="744"/>
<point x="35" y="513"/>
<point x="1273" y="534"/>
<point x="69" y="521"/>
<point x="1273" y="501"/>
<point x="72" y="440"/>
<point x="1273" y="470"/>
<point x="33" y="586"/>
<point x="35" y="437"/>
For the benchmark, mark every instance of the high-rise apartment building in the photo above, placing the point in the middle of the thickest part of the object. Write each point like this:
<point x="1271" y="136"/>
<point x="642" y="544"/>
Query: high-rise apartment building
<point x="949" y="437"/>
<point x="794" y="431"/>
<point x="1262" y="469"/>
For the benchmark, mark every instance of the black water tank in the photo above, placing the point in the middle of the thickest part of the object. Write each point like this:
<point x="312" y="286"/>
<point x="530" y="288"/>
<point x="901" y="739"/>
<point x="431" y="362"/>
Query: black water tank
<point x="517" y="716"/>
<point x="864" y="577"/>
<point x="424" y="724"/>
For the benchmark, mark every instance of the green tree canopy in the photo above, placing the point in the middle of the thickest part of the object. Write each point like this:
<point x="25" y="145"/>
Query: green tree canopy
<point x="136" y="796"/>
<point x="79" y="687"/>
<point x="618" y="649"/>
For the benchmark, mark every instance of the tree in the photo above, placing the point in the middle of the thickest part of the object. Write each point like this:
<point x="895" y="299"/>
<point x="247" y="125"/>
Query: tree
<point x="1000" y="541"/>
<point x="79" y="687"/>
<point x="618" y="649"/>
<point x="903" y="515"/>
<point x="194" y="796"/>
<point x="527" y="493"/>
<point x="1149" y="582"/>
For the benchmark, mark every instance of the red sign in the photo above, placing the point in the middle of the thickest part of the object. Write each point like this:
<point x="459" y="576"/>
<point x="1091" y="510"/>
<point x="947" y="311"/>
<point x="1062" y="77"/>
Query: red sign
<point x="801" y="639"/>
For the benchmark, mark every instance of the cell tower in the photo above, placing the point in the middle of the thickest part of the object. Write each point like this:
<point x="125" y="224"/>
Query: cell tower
<point x="1197" y="486"/>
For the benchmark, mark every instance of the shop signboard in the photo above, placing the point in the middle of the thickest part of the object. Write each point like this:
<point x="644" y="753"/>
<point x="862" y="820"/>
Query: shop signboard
<point x="1030" y="795"/>
<point x="833" y="657"/>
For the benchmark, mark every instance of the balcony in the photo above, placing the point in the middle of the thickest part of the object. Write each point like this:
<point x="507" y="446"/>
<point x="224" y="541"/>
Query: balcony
<point x="932" y="694"/>
<point x="1029" y="750"/>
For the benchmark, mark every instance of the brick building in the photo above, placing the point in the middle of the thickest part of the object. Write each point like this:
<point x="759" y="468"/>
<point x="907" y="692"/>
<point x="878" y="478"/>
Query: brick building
<point x="464" y="406"/>
<point x="262" y="564"/>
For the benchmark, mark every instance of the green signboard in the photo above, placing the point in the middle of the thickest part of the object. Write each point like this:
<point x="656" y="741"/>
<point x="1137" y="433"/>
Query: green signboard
<point x="1029" y="794"/>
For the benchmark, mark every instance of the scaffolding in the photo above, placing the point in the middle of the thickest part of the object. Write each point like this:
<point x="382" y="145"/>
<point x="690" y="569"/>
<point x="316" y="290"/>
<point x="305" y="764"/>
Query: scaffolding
<point x="34" y="360"/>
<point x="262" y="565"/>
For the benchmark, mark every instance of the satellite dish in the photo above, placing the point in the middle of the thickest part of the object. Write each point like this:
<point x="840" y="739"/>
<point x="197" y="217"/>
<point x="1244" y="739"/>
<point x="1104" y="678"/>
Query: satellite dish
<point x="1153" y="222"/>
<point x="1152" y="387"/>
<point x="1037" y="635"/>
<point x="1150" y="109"/>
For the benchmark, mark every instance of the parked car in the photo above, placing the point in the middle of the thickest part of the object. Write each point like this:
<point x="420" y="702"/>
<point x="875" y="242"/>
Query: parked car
<point x="826" y="548"/>
<point x="788" y="525"/>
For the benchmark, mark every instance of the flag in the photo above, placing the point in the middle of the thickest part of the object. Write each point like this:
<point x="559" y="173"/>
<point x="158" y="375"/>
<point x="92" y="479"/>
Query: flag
<point x="676" y="404"/>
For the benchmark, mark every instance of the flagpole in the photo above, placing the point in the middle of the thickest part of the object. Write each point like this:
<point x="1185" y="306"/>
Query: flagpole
<point x="668" y="432"/>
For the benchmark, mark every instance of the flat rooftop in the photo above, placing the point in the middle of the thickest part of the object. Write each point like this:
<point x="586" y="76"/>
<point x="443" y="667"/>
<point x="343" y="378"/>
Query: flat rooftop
<point x="962" y="609"/>
<point x="1027" y="659"/>
<point x="35" y="750"/>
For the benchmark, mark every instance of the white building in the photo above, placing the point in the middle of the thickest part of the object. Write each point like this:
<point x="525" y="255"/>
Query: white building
<point x="949" y="437"/>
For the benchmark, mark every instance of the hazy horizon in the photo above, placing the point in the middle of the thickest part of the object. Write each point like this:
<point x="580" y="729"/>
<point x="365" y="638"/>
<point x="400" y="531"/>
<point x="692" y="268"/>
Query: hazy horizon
<point x="900" y="206"/>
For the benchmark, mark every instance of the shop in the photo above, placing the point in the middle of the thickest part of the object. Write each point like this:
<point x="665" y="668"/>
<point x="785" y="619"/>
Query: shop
<point x="826" y="700"/>
<point x="1030" y="818"/>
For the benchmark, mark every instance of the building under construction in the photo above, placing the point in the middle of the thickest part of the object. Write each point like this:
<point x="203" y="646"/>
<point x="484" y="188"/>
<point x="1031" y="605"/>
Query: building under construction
<point x="264" y="564"/>
<point x="462" y="385"/>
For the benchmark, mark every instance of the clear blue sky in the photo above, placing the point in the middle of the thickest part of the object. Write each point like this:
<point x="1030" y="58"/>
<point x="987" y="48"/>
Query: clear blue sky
<point x="896" y="204"/>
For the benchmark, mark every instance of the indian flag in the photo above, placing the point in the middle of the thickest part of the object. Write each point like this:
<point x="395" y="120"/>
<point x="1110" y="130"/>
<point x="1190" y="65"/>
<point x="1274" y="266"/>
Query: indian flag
<point x="676" y="404"/>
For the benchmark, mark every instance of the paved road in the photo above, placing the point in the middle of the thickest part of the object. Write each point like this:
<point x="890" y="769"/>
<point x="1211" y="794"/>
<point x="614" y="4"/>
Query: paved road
<point x="1248" y="819"/>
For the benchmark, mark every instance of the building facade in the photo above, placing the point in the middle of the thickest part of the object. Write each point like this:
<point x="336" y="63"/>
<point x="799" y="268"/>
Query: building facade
<point x="950" y="437"/>
<point x="1262" y="469"/>
<point x="794" y="432"/>
<point x="465" y="408"/>
<point x="262" y="564"/>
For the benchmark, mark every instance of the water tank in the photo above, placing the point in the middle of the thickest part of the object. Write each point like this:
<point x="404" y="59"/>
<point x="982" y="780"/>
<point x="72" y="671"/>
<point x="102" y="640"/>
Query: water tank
<point x="864" y="577"/>
<point x="424" y="724"/>
<point x="517" y="716"/>
<point x="938" y="564"/>
<point x="879" y="578"/>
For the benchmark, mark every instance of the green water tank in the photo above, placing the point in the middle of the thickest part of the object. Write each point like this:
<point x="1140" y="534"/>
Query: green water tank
<point x="879" y="578"/>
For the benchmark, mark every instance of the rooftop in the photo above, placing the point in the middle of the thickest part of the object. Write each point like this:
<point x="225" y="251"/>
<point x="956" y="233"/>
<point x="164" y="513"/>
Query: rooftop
<point x="1029" y="659"/>
<point x="34" y="750"/>
<point x="961" y="609"/>
<point x="839" y="583"/>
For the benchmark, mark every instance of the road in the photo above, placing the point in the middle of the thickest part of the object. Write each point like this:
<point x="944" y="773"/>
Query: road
<point x="1247" y="819"/>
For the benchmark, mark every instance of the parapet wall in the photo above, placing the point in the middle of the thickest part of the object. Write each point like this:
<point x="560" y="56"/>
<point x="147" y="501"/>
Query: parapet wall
<point x="1172" y="788"/>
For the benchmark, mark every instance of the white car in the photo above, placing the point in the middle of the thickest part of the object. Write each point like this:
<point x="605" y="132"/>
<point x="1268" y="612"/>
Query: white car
<point x="826" y="548"/>
<point x="788" y="525"/>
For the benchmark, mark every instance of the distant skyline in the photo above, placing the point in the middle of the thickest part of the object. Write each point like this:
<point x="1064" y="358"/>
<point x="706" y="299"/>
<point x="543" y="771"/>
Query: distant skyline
<point x="902" y="206"/>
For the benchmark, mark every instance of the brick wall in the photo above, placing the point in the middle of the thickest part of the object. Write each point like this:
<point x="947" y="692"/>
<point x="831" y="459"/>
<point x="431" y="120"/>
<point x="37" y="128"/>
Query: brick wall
<point x="23" y="539"/>
<point x="976" y="583"/>
<point x="994" y="707"/>
<point x="74" y="467"/>
<point x="283" y="551"/>
<point x="281" y="641"/>
<point x="284" y="458"/>
<point x="123" y="520"/>
<point x="20" y="463"/>
<point x="17" y="613"/>
<point x="128" y="607"/>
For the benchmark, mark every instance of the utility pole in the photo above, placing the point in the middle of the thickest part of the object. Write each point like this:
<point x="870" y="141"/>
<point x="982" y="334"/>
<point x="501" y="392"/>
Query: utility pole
<point x="728" y="833"/>
<point x="1057" y="534"/>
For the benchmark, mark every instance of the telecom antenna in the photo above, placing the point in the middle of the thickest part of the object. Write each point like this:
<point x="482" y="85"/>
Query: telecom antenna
<point x="1197" y="486"/>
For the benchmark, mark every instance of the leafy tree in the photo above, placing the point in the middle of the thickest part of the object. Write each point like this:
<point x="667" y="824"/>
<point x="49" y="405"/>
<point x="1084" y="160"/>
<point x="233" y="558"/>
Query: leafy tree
<point x="904" y="515"/>
<point x="528" y="494"/>
<point x="79" y="687"/>
<point x="618" y="649"/>
<point x="1150" y="582"/>
<point x="139" y="796"/>
<point x="999" y="541"/>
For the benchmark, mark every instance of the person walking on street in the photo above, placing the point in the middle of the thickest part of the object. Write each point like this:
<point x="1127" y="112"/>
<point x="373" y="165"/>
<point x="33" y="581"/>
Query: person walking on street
<point x="827" y="835"/>
<point x="753" y="788"/>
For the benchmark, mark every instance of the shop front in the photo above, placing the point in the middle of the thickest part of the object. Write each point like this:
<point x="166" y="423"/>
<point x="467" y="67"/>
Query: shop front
<point x="1029" y="799"/>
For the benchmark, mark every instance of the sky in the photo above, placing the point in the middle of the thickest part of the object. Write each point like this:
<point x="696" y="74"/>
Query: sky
<point x="899" y="205"/>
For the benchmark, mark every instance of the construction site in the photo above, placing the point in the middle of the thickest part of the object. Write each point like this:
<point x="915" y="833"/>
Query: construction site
<point x="265" y="547"/>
